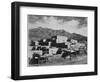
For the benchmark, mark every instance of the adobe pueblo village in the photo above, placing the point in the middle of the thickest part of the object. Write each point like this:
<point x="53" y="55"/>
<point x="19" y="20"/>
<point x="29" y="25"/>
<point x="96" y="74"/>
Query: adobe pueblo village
<point x="56" y="40"/>
<point x="57" y="50"/>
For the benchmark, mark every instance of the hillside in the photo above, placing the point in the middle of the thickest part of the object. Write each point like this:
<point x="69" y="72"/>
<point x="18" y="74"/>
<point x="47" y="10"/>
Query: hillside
<point x="78" y="37"/>
<point x="41" y="33"/>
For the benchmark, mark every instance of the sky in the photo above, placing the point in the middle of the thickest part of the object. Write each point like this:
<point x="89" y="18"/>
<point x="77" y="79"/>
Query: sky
<point x="70" y="24"/>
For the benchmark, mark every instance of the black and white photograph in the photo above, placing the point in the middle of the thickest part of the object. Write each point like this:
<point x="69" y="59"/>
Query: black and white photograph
<point x="56" y="40"/>
<point x="53" y="40"/>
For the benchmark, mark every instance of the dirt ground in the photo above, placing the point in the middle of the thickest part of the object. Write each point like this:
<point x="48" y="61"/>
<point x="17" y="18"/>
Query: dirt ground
<point x="57" y="60"/>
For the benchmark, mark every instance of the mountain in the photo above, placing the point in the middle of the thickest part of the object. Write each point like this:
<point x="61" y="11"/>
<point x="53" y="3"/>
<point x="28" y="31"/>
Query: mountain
<point x="41" y="33"/>
<point x="78" y="37"/>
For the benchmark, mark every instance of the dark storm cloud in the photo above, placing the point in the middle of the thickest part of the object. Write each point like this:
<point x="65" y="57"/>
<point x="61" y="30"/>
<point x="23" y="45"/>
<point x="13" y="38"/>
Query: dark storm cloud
<point x="34" y="18"/>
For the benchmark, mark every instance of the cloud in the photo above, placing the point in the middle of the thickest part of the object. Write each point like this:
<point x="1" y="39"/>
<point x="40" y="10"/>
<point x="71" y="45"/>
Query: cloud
<point x="82" y="31"/>
<point x="74" y="25"/>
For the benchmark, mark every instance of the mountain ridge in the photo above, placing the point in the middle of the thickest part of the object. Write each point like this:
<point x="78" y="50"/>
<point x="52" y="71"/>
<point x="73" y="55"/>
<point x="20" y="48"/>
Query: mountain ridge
<point x="44" y="33"/>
